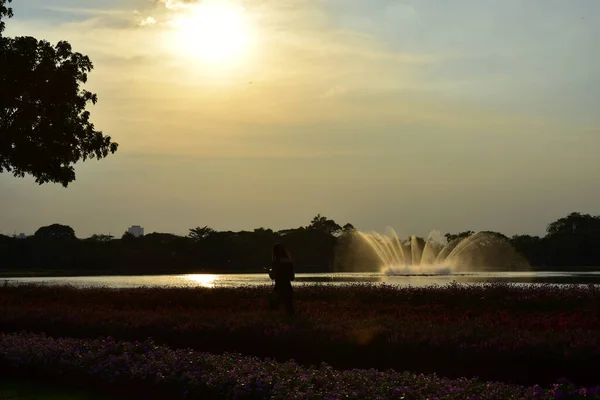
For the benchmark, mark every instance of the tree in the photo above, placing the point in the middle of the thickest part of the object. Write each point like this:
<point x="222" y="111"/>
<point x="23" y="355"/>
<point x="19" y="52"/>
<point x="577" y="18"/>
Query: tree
<point x="264" y="232"/>
<point x="128" y="236"/>
<point x="451" y="237"/>
<point x="157" y="237"/>
<point x="44" y="126"/>
<point x="199" y="233"/>
<point x="101" y="238"/>
<point x="55" y="231"/>
<point x="323" y="224"/>
<point x="5" y="11"/>
<point x="575" y="223"/>
<point x="531" y="247"/>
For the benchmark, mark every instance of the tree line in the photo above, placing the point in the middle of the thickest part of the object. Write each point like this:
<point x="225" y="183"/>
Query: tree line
<point x="321" y="246"/>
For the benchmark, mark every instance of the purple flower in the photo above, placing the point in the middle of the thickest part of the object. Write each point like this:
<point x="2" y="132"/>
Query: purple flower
<point x="187" y="373"/>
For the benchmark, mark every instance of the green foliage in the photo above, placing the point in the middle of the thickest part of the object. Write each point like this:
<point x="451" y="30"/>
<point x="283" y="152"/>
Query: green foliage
<point x="44" y="125"/>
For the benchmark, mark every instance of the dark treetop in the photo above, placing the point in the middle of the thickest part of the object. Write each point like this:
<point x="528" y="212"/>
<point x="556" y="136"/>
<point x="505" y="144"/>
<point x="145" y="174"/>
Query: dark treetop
<point x="321" y="246"/>
<point x="44" y="126"/>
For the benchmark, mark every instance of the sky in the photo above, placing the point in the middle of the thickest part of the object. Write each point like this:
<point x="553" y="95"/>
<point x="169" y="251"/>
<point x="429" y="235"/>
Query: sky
<point x="419" y="115"/>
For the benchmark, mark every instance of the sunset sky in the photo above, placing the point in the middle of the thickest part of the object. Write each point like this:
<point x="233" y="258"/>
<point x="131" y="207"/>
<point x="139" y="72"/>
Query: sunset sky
<point x="451" y="115"/>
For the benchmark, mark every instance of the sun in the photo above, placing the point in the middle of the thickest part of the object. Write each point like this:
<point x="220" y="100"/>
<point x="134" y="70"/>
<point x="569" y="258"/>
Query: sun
<point x="216" y="32"/>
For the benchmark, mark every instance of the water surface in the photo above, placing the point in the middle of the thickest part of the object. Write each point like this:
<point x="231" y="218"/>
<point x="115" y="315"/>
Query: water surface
<point x="232" y="280"/>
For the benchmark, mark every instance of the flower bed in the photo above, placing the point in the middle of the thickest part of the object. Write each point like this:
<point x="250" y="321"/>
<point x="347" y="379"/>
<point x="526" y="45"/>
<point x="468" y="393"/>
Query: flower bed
<point x="502" y="332"/>
<point x="187" y="373"/>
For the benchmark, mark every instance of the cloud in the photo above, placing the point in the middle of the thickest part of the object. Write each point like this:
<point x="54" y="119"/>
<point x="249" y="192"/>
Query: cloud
<point x="86" y="11"/>
<point x="177" y="4"/>
<point x="148" y="21"/>
<point x="305" y="72"/>
<point x="379" y="106"/>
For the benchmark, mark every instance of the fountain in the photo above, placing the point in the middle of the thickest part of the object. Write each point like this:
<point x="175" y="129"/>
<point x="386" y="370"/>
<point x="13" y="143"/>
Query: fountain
<point x="482" y="251"/>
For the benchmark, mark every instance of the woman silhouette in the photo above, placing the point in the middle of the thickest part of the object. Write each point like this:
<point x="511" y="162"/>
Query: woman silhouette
<point x="282" y="272"/>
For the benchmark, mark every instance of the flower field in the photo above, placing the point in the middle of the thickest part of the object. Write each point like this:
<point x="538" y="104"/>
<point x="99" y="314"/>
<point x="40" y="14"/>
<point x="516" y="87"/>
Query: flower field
<point x="522" y="335"/>
<point x="153" y="371"/>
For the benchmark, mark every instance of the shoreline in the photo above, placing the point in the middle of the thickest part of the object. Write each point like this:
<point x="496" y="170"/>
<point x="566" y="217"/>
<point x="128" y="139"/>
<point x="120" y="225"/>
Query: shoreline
<point x="69" y="274"/>
<point x="6" y="274"/>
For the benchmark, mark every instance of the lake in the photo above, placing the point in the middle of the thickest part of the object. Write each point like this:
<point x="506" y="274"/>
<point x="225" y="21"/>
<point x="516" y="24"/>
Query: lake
<point x="232" y="280"/>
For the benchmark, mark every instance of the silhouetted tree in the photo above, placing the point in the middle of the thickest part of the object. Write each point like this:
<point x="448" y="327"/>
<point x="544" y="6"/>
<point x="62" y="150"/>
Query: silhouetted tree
<point x="325" y="225"/>
<point x="314" y="250"/>
<point x="128" y="236"/>
<point x="199" y="233"/>
<point x="573" y="240"/>
<point x="55" y="231"/>
<point x="5" y="11"/>
<point x="531" y="247"/>
<point x="44" y="127"/>
<point x="263" y="232"/>
<point x="284" y="232"/>
<point x="574" y="223"/>
<point x="451" y="237"/>
<point x="157" y="237"/>
<point x="497" y="235"/>
<point x="101" y="238"/>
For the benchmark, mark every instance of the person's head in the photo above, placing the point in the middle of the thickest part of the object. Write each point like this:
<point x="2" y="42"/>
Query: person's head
<point x="280" y="252"/>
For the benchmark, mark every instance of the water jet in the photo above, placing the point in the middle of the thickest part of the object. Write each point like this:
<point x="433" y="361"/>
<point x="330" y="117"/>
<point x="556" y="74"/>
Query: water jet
<point x="482" y="251"/>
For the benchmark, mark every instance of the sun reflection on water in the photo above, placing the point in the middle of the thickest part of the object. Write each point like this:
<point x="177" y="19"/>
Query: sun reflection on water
<point x="204" y="280"/>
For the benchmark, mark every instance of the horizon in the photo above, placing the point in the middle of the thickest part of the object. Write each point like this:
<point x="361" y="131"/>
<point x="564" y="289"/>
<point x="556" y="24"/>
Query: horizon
<point x="420" y="116"/>
<point x="433" y="234"/>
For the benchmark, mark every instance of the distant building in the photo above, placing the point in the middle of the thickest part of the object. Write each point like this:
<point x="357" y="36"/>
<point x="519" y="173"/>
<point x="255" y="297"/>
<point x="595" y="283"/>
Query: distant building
<point x="136" y="230"/>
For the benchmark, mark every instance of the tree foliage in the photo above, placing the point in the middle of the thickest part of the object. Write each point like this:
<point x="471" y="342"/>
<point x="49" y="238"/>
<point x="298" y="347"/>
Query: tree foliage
<point x="55" y="231"/>
<point x="450" y="237"/>
<point x="5" y="11"/>
<point x="325" y="225"/>
<point x="128" y="236"/>
<point x="574" y="223"/>
<point x="44" y="125"/>
<point x="101" y="238"/>
<point x="200" y="233"/>
<point x="313" y="249"/>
